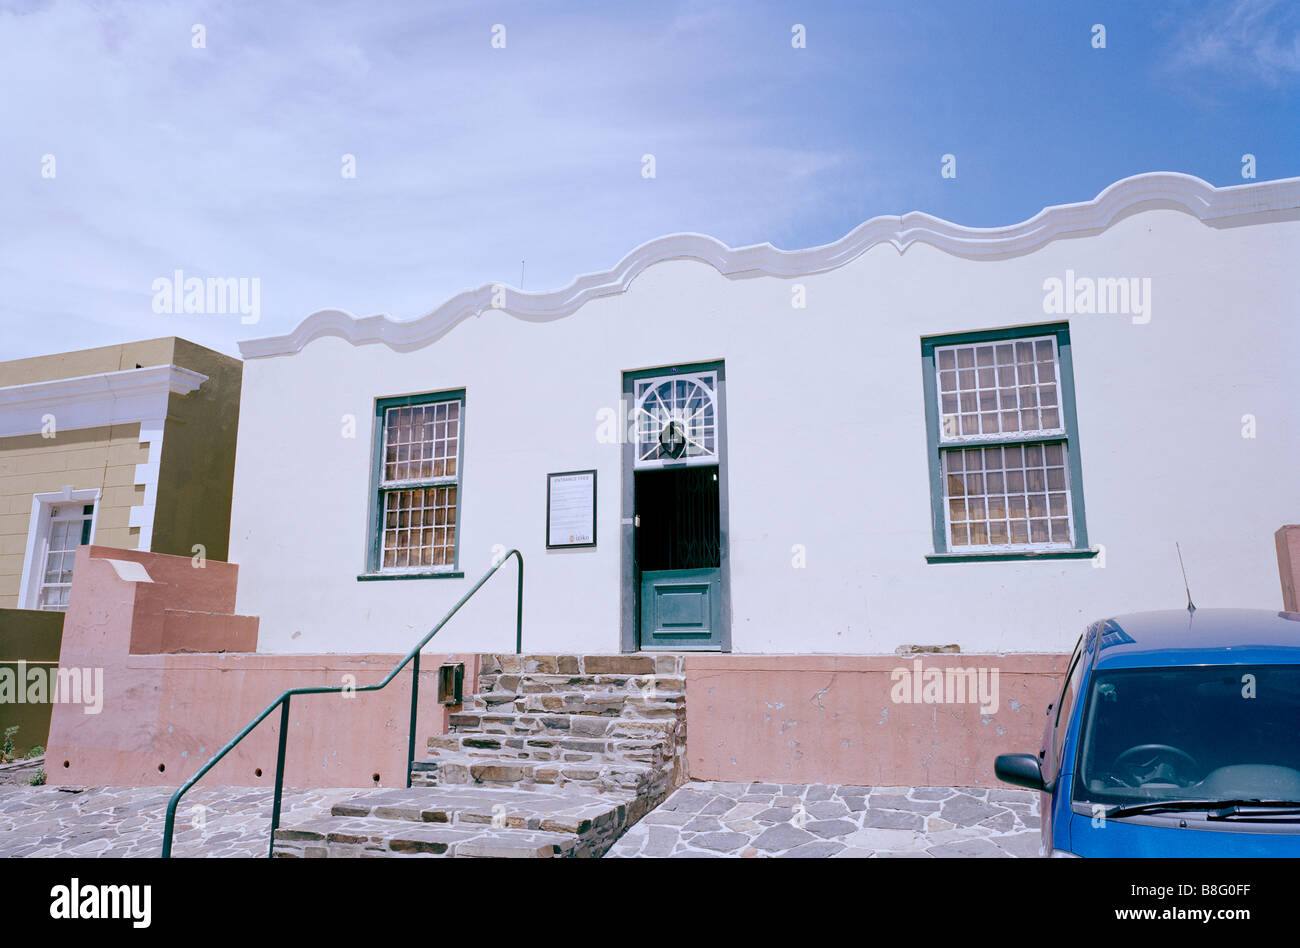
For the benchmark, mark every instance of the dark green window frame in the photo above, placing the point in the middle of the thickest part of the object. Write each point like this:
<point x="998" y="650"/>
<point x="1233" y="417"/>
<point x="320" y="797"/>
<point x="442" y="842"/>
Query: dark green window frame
<point x="374" y="568"/>
<point x="935" y="448"/>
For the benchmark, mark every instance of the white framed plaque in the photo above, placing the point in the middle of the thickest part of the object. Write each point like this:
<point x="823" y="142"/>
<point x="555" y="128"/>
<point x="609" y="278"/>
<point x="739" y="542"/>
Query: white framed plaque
<point x="570" y="509"/>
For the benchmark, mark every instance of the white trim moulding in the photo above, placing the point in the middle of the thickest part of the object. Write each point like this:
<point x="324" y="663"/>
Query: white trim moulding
<point x="94" y="401"/>
<point x="1252" y="203"/>
<point x="146" y="475"/>
<point x="29" y="585"/>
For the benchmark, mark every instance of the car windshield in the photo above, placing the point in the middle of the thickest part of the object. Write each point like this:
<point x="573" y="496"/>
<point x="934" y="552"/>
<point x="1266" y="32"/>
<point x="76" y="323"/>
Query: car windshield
<point x="1190" y="733"/>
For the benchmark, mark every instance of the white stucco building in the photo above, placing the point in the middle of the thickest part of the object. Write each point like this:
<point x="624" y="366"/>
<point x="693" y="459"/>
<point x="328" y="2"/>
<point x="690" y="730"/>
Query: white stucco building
<point x="921" y="433"/>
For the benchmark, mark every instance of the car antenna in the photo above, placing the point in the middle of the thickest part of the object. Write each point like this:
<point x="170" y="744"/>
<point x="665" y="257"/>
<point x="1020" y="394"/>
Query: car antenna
<point x="1190" y="608"/>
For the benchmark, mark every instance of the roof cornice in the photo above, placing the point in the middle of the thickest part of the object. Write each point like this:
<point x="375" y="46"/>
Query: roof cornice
<point x="94" y="401"/>
<point x="1255" y="202"/>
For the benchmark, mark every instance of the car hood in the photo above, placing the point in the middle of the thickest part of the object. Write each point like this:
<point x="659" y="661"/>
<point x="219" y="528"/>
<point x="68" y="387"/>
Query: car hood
<point x="1124" y="838"/>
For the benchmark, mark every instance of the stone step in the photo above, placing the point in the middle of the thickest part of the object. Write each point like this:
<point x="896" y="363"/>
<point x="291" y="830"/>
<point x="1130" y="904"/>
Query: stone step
<point x="465" y="822"/>
<point x="371" y="837"/>
<point x="602" y="775"/>
<point x="637" y="663"/>
<point x="503" y="724"/>
<point x="568" y="811"/>
<point x="597" y="684"/>
<point x="610" y="704"/>
<point x="560" y="747"/>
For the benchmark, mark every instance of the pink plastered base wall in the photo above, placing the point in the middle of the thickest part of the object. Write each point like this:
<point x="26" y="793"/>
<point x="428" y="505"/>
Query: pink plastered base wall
<point x="1287" y="539"/>
<point x="167" y="707"/>
<point x="835" y="718"/>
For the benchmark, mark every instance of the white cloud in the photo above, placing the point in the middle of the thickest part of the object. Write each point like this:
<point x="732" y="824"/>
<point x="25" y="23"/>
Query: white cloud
<point x="1249" y="41"/>
<point x="225" y="161"/>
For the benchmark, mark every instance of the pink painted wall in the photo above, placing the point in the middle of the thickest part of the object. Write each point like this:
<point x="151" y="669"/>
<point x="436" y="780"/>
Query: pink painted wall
<point x="165" y="713"/>
<point x="1288" y="565"/>
<point x="833" y="719"/>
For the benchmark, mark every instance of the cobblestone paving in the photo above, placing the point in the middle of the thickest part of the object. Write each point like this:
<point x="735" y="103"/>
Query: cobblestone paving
<point x="698" y="820"/>
<point x="820" y="820"/>
<point x="128" y="821"/>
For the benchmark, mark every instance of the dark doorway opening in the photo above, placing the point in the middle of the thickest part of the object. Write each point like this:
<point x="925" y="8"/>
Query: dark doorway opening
<point x="677" y="510"/>
<point x="679" y="558"/>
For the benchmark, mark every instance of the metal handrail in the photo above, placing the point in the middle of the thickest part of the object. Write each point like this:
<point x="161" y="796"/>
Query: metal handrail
<point x="413" y="656"/>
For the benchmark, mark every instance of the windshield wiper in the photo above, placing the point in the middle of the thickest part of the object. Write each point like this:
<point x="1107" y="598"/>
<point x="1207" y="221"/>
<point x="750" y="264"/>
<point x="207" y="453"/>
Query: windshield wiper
<point x="1254" y="808"/>
<point x="1221" y="809"/>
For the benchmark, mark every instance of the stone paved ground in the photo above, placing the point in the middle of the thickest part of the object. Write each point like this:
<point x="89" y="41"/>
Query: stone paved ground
<point x="20" y="772"/>
<point x="700" y="819"/>
<point x="820" y="820"/>
<point x="128" y="821"/>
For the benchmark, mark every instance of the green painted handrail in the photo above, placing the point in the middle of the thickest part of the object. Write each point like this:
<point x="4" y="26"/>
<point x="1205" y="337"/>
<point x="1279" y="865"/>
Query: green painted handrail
<point x="282" y="702"/>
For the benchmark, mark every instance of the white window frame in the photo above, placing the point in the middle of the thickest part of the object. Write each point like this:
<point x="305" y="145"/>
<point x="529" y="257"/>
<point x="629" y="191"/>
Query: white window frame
<point x="1023" y="439"/>
<point x="1010" y="437"/>
<point x="38" y="538"/>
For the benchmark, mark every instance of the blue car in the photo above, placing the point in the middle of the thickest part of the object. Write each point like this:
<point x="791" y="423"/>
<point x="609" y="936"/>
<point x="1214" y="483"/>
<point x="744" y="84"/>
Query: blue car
<point x="1176" y="733"/>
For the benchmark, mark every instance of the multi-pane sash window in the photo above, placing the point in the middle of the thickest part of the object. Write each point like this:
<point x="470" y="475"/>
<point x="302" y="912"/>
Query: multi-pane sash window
<point x="999" y="389"/>
<point x="418" y="461"/>
<point x="1003" y="445"/>
<point x="1007" y="496"/>
<point x="69" y="528"/>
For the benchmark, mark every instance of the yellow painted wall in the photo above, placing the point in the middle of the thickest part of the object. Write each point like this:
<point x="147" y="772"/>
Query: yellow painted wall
<point x="103" y="458"/>
<point x="196" y="466"/>
<point x="68" y="365"/>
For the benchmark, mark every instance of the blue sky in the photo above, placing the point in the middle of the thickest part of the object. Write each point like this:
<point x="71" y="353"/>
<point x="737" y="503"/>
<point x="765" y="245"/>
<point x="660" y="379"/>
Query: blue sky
<point x="225" y="161"/>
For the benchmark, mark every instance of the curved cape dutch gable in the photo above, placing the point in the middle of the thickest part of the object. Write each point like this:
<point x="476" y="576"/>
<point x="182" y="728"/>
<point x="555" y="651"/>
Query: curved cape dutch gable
<point x="1216" y="207"/>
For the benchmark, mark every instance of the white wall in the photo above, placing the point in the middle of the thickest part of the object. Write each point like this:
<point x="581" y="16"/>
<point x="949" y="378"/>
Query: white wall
<point x="1159" y="407"/>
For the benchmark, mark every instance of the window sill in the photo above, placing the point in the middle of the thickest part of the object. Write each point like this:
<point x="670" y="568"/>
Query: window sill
<point x="371" y="577"/>
<point x="991" y="557"/>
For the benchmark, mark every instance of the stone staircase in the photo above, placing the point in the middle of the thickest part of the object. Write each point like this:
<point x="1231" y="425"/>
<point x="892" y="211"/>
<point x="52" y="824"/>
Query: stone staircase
<point x="605" y="723"/>
<point x="555" y="755"/>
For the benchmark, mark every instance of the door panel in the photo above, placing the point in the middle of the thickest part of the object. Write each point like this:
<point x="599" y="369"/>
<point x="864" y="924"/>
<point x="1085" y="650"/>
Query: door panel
<point x="681" y="609"/>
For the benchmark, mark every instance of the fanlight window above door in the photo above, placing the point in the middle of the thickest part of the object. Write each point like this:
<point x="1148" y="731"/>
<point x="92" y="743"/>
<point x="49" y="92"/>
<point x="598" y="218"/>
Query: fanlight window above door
<point x="676" y="419"/>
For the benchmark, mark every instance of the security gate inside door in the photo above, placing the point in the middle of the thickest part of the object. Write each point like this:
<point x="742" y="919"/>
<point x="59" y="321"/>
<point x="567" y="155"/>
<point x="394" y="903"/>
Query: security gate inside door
<point x="677" y="500"/>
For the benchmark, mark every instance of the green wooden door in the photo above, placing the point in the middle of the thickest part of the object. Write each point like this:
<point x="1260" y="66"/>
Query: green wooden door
<point x="675" y="568"/>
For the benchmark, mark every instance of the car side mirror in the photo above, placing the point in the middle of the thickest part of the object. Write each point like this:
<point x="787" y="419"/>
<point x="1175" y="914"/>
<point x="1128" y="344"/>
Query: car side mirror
<point x="1022" y="770"/>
